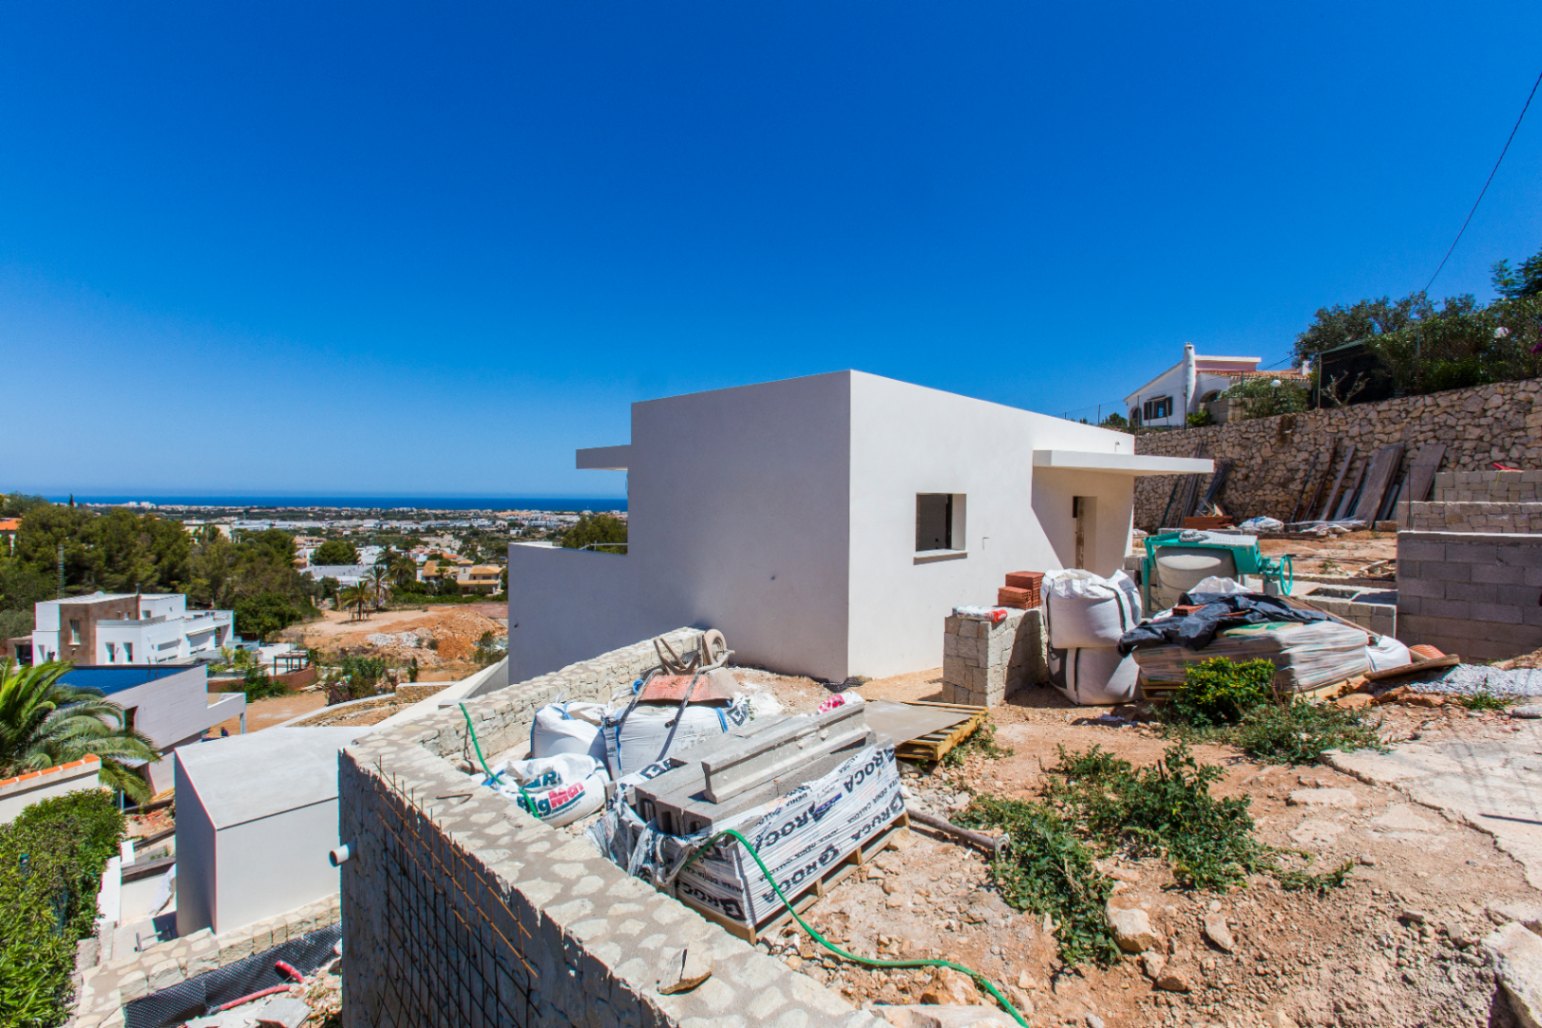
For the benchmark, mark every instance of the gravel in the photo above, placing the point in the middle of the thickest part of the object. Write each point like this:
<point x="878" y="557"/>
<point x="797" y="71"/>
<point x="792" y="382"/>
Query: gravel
<point x="1470" y="679"/>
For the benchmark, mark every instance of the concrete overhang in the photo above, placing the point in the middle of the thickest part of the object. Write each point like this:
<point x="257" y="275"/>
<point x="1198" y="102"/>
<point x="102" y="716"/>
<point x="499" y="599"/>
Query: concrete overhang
<point x="605" y="458"/>
<point x="1120" y="463"/>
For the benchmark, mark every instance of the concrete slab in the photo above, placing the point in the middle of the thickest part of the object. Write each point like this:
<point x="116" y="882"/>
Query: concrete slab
<point x="1494" y="785"/>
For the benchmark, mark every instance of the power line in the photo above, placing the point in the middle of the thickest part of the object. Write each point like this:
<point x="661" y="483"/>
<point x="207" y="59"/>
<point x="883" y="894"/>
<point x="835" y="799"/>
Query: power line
<point x="1486" y="183"/>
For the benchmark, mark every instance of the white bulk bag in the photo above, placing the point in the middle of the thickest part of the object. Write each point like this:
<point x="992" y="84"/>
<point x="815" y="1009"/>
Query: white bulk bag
<point x="635" y="739"/>
<point x="567" y="728"/>
<point x="1094" y="676"/>
<point x="1084" y="609"/>
<point x="558" y="790"/>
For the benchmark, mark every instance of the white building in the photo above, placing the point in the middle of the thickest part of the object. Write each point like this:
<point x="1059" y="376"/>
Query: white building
<point x="826" y="524"/>
<point x="256" y="818"/>
<point x="128" y="628"/>
<point x="1185" y="388"/>
<point x="345" y="575"/>
<point x="171" y="705"/>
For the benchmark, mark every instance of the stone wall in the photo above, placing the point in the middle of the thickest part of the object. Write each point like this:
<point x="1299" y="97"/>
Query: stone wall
<point x="460" y="909"/>
<point x="1488" y="486"/>
<point x="1479" y="595"/>
<point x="1271" y="456"/>
<point x="984" y="663"/>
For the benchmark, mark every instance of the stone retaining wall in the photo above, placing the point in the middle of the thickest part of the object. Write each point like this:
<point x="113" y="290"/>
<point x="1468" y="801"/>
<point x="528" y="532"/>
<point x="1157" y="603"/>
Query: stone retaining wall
<point x="1271" y="456"/>
<point x="1479" y="595"/>
<point x="1488" y="486"/>
<point x="460" y="909"/>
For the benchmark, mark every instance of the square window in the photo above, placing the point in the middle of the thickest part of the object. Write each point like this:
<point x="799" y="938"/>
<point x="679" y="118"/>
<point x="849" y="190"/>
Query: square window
<point x="939" y="522"/>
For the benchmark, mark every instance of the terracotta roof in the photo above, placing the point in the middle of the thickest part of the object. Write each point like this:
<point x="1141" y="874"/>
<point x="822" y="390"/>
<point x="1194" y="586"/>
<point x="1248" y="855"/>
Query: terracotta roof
<point x="1290" y="374"/>
<point x="10" y="524"/>
<point x="89" y="758"/>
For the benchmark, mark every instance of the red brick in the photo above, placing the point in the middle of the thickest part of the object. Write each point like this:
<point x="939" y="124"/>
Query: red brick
<point x="1030" y="580"/>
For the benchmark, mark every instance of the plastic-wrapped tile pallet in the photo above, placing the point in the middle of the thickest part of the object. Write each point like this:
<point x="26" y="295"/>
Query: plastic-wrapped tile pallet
<point x="830" y="796"/>
<point x="1086" y="616"/>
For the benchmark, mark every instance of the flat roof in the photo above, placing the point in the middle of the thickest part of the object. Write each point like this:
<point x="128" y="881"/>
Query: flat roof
<point x="244" y="778"/>
<point x="1121" y="463"/>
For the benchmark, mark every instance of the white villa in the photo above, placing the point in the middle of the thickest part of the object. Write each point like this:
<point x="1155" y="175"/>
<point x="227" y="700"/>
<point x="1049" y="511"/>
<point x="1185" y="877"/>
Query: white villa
<point x="827" y="524"/>
<point x="128" y="628"/>
<point x="1184" y="389"/>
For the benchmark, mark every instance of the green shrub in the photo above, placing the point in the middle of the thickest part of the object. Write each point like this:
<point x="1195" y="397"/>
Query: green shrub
<point x="1165" y="809"/>
<point x="1484" y="700"/>
<point x="1219" y="692"/>
<point x="1046" y="869"/>
<point x="259" y="686"/>
<point x="51" y="861"/>
<point x="1300" y="732"/>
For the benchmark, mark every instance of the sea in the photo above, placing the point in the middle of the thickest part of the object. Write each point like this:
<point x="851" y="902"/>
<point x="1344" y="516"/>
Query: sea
<point x="269" y="501"/>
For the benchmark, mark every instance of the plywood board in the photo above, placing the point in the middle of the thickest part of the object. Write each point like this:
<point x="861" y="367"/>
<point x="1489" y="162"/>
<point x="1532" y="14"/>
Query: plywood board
<point x="1421" y="471"/>
<point x="1329" y="504"/>
<point x="1378" y="479"/>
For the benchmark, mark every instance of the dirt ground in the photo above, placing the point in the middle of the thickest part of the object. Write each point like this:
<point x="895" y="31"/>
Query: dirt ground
<point x="1398" y="945"/>
<point x="441" y="639"/>
<point x="274" y="710"/>
<point x="1344" y="556"/>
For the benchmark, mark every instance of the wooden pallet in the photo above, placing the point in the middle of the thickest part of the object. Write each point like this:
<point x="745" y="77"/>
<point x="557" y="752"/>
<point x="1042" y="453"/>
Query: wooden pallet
<point x="811" y="893"/>
<point x="1161" y="692"/>
<point x="933" y="746"/>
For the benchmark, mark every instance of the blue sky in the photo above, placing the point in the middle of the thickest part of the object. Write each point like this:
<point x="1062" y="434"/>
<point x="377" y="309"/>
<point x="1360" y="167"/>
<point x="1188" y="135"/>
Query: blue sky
<point x="329" y="248"/>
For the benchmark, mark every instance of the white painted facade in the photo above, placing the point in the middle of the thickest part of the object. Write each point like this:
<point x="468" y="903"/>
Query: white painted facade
<point x="256" y="818"/>
<point x="164" y="632"/>
<point x="171" y="705"/>
<point x="786" y="514"/>
<point x="1185" y="388"/>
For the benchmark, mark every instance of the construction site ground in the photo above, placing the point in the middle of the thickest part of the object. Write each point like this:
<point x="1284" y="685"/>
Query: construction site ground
<point x="1399" y="944"/>
<point x="1339" y="556"/>
<point x="441" y="638"/>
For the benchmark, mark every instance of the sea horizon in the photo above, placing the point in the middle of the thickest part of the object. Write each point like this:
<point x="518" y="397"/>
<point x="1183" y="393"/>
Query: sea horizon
<point x="336" y="501"/>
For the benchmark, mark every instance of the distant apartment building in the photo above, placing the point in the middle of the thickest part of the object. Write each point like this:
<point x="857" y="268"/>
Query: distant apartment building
<point x="1183" y="389"/>
<point x="128" y="628"/>
<point x="469" y="577"/>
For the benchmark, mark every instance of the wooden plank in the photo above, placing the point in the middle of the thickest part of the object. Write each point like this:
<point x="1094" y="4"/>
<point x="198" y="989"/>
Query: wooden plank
<point x="1326" y="510"/>
<point x="1421" y="471"/>
<point x="1317" y="482"/>
<point x="1213" y="490"/>
<point x="1378" y="479"/>
<point x="1351" y="495"/>
<point x="1304" y="500"/>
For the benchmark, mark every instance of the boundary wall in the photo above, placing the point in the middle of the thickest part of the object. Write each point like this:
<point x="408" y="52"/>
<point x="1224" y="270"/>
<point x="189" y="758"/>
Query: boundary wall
<point x="1271" y="457"/>
<point x="458" y="908"/>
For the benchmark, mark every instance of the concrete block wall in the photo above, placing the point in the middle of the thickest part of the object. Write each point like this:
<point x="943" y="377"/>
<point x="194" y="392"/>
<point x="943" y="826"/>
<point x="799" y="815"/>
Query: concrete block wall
<point x="460" y="909"/>
<point x="1488" y="486"/>
<point x="1375" y="610"/>
<point x="1474" y="516"/>
<point x="984" y="663"/>
<point x="1476" y="594"/>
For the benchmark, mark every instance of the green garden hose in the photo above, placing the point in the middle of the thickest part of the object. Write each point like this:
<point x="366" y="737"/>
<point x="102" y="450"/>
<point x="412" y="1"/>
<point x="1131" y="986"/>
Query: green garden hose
<point x="470" y="728"/>
<point x="813" y="933"/>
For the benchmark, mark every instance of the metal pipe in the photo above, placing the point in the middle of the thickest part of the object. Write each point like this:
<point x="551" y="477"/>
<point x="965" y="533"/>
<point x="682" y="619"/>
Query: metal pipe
<point x="980" y="840"/>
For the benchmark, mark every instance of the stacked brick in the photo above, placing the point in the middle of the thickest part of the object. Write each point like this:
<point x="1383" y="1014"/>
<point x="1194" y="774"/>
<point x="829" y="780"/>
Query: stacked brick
<point x="1024" y="590"/>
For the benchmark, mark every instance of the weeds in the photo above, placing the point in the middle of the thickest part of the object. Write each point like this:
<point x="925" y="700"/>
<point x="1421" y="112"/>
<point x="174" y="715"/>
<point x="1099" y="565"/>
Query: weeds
<point x="981" y="741"/>
<point x="1300" y="732"/>
<point x="1226" y="701"/>
<point x="1048" y="870"/>
<point x="1484" y="700"/>
<point x="1098" y="804"/>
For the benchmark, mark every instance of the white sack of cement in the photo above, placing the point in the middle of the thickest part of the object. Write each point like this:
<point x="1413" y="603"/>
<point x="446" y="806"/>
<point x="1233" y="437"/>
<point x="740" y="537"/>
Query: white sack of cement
<point x="652" y="731"/>
<point x="570" y="727"/>
<point x="558" y="790"/>
<point x="1085" y="609"/>
<point x="1220" y="585"/>
<point x="1387" y="653"/>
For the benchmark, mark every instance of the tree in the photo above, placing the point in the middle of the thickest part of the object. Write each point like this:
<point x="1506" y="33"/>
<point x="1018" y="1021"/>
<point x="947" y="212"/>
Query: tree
<point x="1521" y="282"/>
<point x="335" y="551"/>
<point x="358" y="597"/>
<point x="265" y="615"/>
<point x="379" y="582"/>
<point x="597" y="532"/>
<point x="44" y="723"/>
<point x="1264" y="397"/>
<point x="1336" y="326"/>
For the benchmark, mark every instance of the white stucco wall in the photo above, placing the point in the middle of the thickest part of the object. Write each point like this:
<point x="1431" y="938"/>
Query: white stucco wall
<point x="907" y="439"/>
<point x="195" y="850"/>
<point x="274" y="864"/>
<point x="737" y="510"/>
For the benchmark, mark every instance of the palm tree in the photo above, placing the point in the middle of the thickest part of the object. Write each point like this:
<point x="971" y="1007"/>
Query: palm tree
<point x="357" y="597"/>
<point x="379" y="582"/>
<point x="45" y="723"/>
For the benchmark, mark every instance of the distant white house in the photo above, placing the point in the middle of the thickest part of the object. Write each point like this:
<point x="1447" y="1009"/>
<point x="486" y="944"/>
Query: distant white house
<point x="128" y="628"/>
<point x="346" y="575"/>
<point x="826" y="524"/>
<point x="1185" y="388"/>
<point x="170" y="704"/>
